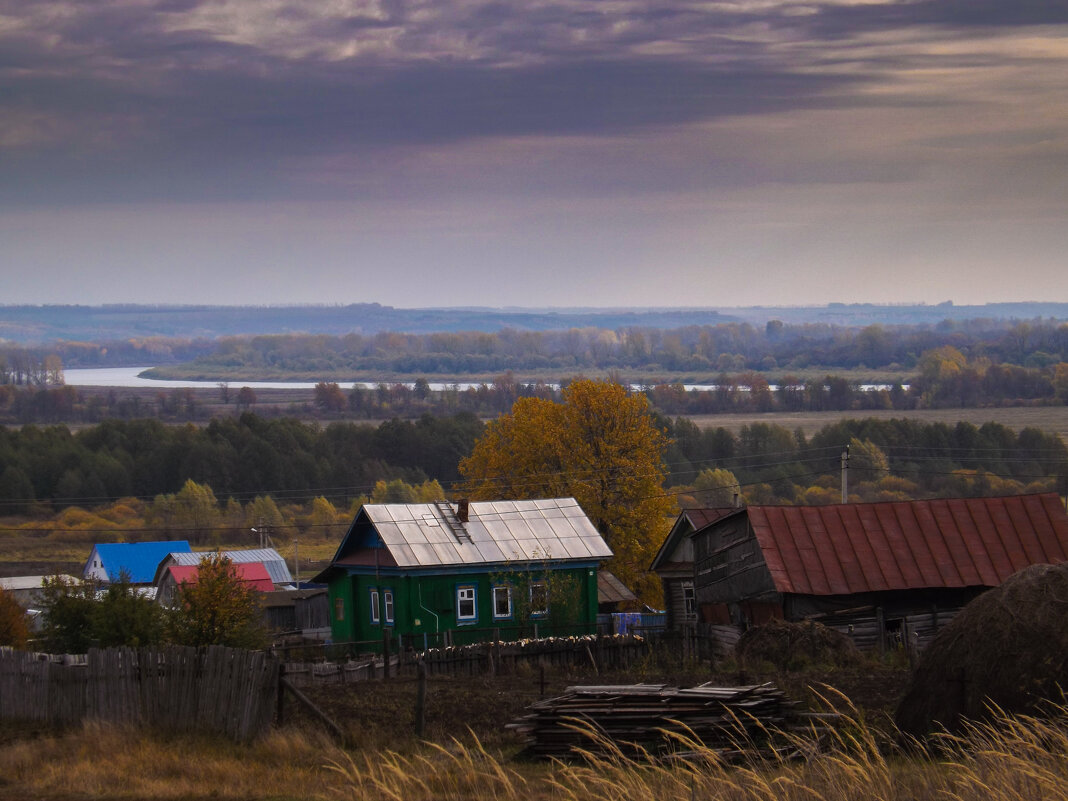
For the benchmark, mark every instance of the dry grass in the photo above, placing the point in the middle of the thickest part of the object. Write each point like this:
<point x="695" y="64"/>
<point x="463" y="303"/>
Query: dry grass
<point x="101" y="761"/>
<point x="1009" y="758"/>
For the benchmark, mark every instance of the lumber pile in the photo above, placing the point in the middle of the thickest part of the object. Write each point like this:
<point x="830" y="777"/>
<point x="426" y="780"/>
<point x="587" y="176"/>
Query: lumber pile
<point x="641" y="718"/>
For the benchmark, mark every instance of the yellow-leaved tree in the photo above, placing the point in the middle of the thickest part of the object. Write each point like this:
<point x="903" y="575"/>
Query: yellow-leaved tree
<point x="599" y="446"/>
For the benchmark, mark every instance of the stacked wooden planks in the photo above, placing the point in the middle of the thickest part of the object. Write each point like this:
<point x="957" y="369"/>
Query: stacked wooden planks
<point x="657" y="719"/>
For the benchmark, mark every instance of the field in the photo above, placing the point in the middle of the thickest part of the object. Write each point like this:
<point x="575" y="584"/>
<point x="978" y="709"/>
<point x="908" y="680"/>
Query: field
<point x="1051" y="419"/>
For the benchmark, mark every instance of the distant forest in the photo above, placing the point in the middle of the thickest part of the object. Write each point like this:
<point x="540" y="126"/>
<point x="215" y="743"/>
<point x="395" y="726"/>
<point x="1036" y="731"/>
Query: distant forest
<point x="50" y="468"/>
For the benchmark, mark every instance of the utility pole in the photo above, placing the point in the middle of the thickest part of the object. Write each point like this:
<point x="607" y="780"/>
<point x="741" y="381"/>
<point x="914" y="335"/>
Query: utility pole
<point x="845" y="475"/>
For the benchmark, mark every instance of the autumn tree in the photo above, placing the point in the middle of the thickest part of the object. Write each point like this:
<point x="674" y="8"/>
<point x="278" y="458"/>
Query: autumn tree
<point x="716" y="487"/>
<point x="599" y="446"/>
<point x="14" y="626"/>
<point x="217" y="609"/>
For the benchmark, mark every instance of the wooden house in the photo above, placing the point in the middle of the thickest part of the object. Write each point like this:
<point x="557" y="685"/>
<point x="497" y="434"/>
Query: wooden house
<point x="880" y="571"/>
<point x="465" y="572"/>
<point x="674" y="565"/>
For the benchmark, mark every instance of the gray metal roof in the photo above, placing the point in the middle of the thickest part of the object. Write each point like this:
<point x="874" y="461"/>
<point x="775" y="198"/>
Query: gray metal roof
<point x="428" y="535"/>
<point x="276" y="566"/>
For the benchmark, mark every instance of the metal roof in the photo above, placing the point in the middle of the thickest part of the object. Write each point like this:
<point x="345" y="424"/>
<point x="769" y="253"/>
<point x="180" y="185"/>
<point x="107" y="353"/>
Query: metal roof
<point x="430" y="535"/>
<point x="868" y="547"/>
<point x="271" y="559"/>
<point x="253" y="574"/>
<point x="138" y="559"/>
<point x="610" y="590"/>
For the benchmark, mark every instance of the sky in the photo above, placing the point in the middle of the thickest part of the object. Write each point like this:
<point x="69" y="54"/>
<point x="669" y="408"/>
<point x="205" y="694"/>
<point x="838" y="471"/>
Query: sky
<point x="534" y="153"/>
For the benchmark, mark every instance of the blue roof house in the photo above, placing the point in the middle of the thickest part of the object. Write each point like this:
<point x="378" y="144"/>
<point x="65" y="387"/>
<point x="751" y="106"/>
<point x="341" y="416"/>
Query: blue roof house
<point x="138" y="560"/>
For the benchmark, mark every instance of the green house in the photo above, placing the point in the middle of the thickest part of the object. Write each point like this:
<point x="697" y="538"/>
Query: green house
<point x="456" y="573"/>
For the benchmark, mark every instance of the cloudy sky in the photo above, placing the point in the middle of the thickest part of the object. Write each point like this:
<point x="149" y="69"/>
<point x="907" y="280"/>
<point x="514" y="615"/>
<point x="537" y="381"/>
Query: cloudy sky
<point x="533" y="153"/>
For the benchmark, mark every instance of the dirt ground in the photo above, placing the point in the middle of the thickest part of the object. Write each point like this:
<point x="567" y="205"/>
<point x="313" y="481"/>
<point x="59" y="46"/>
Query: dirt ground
<point x="380" y="714"/>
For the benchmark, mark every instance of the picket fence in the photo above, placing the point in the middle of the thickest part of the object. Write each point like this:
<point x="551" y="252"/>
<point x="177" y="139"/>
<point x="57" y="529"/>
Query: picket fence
<point x="217" y="689"/>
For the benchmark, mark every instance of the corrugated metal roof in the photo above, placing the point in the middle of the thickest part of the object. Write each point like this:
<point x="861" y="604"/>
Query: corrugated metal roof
<point x="271" y="559"/>
<point x="868" y="547"/>
<point x="138" y="559"/>
<point x="254" y="574"/>
<point x="423" y="535"/>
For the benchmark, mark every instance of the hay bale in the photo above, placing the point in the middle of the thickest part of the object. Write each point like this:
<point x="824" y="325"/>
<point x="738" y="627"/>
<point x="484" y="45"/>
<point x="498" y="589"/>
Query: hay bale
<point x="1008" y="647"/>
<point x="793" y="646"/>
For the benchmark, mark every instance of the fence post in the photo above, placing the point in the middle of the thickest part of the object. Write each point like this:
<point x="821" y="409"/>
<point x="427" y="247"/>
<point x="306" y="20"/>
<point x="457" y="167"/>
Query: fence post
<point x="385" y="655"/>
<point x="420" y="699"/>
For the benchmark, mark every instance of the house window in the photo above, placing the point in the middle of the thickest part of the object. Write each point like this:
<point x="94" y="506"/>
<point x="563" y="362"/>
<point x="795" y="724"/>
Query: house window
<point x="466" y="610"/>
<point x="387" y="600"/>
<point x="502" y="602"/>
<point x="339" y="608"/>
<point x="376" y="613"/>
<point x="539" y="598"/>
<point x="689" y="600"/>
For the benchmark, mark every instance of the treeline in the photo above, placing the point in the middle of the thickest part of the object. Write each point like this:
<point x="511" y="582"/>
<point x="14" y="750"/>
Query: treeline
<point x="691" y="349"/>
<point x="245" y="458"/>
<point x="888" y="460"/>
<point x="42" y="468"/>
<point x="29" y="367"/>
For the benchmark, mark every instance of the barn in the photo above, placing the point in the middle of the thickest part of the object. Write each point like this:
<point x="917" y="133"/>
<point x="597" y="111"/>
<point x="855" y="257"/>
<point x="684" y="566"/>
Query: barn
<point x="883" y="572"/>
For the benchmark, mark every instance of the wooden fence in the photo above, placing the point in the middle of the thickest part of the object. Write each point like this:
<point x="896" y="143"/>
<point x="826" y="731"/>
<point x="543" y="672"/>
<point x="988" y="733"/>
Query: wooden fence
<point x="223" y="690"/>
<point x="489" y="658"/>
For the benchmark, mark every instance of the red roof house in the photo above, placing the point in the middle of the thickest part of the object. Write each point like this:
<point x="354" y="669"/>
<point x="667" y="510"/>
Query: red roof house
<point x="884" y="561"/>
<point x="252" y="574"/>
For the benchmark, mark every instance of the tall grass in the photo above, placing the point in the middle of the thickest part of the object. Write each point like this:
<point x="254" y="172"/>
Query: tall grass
<point x="1006" y="759"/>
<point x="1009" y="758"/>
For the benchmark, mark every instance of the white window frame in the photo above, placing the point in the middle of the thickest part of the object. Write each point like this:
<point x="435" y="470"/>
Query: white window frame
<point x="376" y="611"/>
<point x="689" y="600"/>
<point x="544" y="590"/>
<point x="387" y="604"/>
<point x="507" y="591"/>
<point x="466" y="594"/>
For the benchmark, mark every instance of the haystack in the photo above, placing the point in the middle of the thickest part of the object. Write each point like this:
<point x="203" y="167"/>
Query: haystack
<point x="1008" y="648"/>
<point x="791" y="646"/>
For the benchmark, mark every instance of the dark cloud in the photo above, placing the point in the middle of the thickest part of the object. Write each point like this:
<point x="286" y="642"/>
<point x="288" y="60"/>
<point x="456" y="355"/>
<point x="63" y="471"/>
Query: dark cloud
<point x="133" y="105"/>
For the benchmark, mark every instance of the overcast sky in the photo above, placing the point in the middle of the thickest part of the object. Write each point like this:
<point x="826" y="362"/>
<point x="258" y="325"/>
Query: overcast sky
<point x="533" y="152"/>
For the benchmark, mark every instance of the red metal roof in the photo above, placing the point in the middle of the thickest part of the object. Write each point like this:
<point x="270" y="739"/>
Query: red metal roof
<point x="253" y="574"/>
<point x="869" y="547"/>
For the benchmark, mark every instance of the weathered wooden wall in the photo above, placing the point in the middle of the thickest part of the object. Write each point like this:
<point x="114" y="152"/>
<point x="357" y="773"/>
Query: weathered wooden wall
<point x="223" y="690"/>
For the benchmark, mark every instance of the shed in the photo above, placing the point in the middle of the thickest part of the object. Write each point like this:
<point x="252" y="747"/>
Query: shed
<point x="137" y="560"/>
<point x="304" y="610"/>
<point x="900" y="566"/>
<point x="466" y="572"/>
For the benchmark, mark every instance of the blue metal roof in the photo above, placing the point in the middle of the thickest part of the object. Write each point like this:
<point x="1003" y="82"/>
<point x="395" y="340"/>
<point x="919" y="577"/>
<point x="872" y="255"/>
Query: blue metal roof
<point x="138" y="559"/>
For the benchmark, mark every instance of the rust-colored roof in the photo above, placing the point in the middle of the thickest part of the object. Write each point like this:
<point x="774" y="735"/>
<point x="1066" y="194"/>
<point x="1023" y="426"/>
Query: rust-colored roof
<point x="870" y="547"/>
